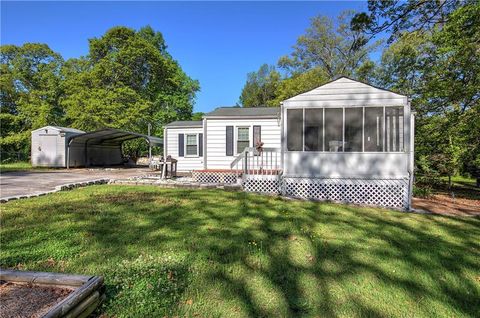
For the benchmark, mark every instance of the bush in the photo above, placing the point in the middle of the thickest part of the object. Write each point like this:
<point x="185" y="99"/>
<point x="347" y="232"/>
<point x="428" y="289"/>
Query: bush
<point x="422" y="192"/>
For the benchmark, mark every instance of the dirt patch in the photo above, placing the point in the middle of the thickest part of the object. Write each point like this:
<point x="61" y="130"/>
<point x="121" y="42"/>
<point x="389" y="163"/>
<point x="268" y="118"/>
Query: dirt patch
<point x="28" y="300"/>
<point x="444" y="204"/>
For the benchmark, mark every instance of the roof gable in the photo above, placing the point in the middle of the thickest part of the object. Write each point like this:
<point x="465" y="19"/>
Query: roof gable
<point x="60" y="129"/>
<point x="342" y="86"/>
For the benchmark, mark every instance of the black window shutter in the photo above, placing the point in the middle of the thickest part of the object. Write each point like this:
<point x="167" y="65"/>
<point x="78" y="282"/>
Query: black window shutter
<point x="257" y="135"/>
<point x="229" y="141"/>
<point x="200" y="145"/>
<point x="181" y="147"/>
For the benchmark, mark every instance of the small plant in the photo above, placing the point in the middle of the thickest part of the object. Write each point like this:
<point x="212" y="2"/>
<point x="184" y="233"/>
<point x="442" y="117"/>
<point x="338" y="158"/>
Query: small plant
<point x="147" y="284"/>
<point x="422" y="191"/>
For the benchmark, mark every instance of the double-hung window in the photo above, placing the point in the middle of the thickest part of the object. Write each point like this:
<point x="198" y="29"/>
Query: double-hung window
<point x="243" y="138"/>
<point x="191" y="145"/>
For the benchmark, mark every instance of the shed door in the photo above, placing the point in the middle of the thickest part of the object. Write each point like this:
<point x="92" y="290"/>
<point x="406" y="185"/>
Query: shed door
<point x="47" y="155"/>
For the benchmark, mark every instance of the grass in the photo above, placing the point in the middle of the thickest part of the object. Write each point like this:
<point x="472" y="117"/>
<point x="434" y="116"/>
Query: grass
<point x="461" y="181"/>
<point x="19" y="166"/>
<point x="176" y="252"/>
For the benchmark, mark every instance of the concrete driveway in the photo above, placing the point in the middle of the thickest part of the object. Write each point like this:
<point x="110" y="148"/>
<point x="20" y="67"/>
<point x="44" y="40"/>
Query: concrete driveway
<point x="34" y="182"/>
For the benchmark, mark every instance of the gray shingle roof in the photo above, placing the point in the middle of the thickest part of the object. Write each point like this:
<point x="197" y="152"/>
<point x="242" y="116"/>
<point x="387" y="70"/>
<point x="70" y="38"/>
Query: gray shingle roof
<point x="245" y="111"/>
<point x="185" y="123"/>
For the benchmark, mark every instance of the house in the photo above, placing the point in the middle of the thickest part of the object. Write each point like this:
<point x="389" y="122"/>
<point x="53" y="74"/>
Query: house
<point x="343" y="141"/>
<point x="222" y="135"/>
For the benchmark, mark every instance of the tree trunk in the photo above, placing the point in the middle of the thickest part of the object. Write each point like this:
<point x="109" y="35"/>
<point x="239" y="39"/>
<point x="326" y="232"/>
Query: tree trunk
<point x="449" y="182"/>
<point x="478" y="182"/>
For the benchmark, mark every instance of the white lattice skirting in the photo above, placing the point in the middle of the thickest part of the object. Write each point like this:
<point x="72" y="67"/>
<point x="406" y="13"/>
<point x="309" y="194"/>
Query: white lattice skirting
<point x="381" y="192"/>
<point x="218" y="177"/>
<point x="262" y="183"/>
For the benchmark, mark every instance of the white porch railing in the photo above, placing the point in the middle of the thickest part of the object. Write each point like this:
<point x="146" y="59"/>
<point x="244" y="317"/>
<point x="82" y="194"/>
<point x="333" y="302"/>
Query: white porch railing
<point x="253" y="162"/>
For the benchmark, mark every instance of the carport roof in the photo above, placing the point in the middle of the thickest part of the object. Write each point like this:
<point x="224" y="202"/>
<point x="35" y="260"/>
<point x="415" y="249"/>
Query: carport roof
<point x="112" y="137"/>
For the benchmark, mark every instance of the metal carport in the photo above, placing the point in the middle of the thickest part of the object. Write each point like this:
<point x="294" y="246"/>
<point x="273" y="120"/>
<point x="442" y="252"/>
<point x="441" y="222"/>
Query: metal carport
<point x="102" y="147"/>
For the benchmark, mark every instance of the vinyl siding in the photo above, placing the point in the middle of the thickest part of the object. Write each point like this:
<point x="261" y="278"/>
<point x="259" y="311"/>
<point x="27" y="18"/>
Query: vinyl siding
<point x="216" y="138"/>
<point x="344" y="165"/>
<point x="345" y="92"/>
<point x="184" y="164"/>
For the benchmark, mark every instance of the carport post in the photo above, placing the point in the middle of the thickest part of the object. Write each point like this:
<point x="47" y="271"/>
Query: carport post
<point x="68" y="153"/>
<point x="149" y="146"/>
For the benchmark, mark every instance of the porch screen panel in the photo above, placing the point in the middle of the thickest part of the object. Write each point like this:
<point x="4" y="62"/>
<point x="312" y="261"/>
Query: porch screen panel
<point x="333" y="129"/>
<point x="353" y="129"/>
<point x="373" y="139"/>
<point x="294" y="129"/>
<point x="394" y="128"/>
<point x="314" y="129"/>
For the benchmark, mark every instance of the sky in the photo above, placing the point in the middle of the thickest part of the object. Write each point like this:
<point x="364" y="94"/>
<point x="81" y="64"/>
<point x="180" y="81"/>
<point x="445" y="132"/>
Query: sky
<point x="217" y="43"/>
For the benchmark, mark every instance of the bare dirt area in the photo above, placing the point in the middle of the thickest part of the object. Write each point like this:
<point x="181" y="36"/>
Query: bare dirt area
<point x="448" y="205"/>
<point x="28" y="300"/>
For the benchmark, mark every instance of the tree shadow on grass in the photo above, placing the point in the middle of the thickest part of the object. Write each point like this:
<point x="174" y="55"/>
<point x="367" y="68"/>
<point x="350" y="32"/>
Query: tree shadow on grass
<point x="252" y="255"/>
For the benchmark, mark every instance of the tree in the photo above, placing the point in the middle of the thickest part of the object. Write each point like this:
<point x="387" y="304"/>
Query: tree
<point x="332" y="47"/>
<point x="197" y="116"/>
<point x="30" y="93"/>
<point x="400" y="17"/>
<point x="440" y="71"/>
<point x="300" y="83"/>
<point x="260" y="88"/>
<point x="127" y="81"/>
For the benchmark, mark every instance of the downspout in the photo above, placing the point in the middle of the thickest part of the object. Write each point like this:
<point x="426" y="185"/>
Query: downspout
<point x="204" y="121"/>
<point x="411" y="159"/>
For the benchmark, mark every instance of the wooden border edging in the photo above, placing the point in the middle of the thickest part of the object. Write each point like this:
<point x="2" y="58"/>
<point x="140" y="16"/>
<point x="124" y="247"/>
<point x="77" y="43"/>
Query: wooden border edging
<point x="88" y="291"/>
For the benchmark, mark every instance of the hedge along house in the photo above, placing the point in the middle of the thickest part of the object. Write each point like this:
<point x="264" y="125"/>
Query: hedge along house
<point x="344" y="141"/>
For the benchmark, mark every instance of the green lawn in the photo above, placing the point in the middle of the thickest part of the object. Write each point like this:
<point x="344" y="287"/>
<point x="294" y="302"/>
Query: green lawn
<point x="19" y="166"/>
<point x="175" y="252"/>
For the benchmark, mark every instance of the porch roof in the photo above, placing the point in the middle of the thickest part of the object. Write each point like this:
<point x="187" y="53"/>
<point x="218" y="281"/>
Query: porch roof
<point x="272" y="112"/>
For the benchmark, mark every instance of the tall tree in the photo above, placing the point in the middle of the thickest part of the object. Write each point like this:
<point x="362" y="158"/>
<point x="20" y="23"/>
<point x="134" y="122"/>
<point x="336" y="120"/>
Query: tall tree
<point x="260" y="88"/>
<point x="439" y="69"/>
<point x="30" y="91"/>
<point x="333" y="47"/>
<point x="398" y="17"/>
<point x="127" y="80"/>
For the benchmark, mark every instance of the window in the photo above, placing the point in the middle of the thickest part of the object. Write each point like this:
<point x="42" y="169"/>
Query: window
<point x="334" y="129"/>
<point x="394" y="128"/>
<point x="192" y="145"/>
<point x="353" y="129"/>
<point x="373" y="138"/>
<point x="243" y="141"/>
<point x="314" y="129"/>
<point x="294" y="129"/>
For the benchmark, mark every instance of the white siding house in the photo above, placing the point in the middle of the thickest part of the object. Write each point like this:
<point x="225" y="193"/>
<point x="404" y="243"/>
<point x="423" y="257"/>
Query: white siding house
<point x="343" y="141"/>
<point x="178" y="136"/>
<point x="246" y="126"/>
<point x="49" y="146"/>
<point x="221" y="136"/>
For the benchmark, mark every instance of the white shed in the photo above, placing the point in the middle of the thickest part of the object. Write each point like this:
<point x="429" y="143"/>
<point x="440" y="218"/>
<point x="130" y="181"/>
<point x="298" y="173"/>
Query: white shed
<point x="49" y="146"/>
